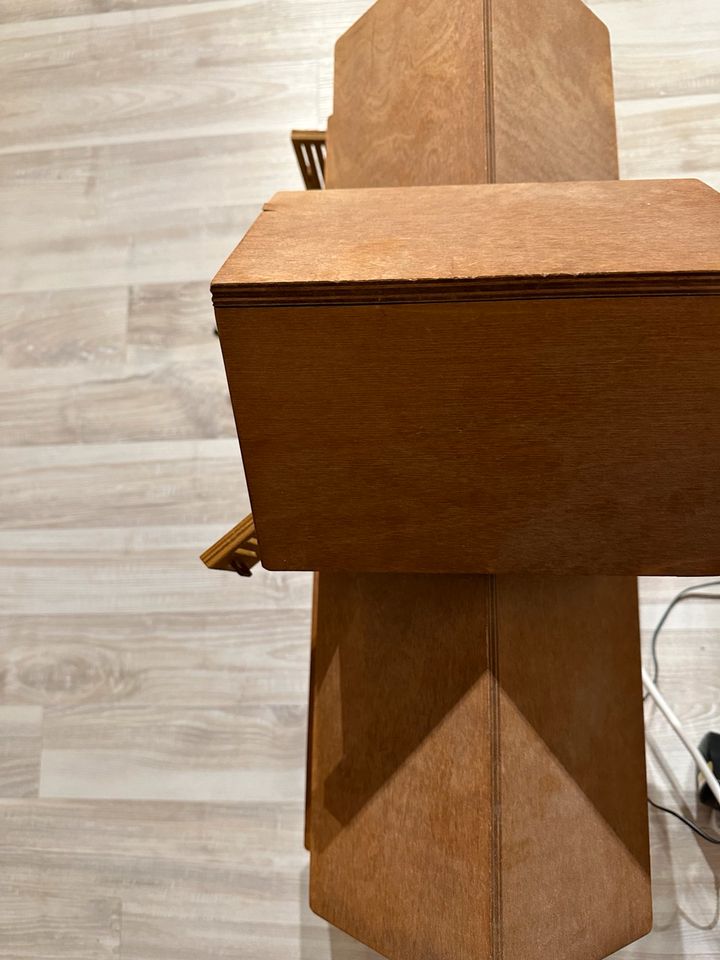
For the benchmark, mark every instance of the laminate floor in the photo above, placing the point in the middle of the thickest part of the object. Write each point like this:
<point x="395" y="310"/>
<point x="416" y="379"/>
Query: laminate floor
<point x="152" y="713"/>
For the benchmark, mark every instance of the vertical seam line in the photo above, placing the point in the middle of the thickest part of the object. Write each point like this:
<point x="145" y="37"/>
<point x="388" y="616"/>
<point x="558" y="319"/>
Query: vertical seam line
<point x="490" y="153"/>
<point x="495" y="773"/>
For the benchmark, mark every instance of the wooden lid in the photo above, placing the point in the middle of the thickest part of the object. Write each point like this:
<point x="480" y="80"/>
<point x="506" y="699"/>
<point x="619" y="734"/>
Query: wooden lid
<point x="491" y="241"/>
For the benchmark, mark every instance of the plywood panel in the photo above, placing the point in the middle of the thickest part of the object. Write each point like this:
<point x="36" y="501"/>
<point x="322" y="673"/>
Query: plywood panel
<point x="427" y="92"/>
<point x="458" y="799"/>
<point x="574" y="833"/>
<point x="551" y="436"/>
<point x="401" y="764"/>
<point x="409" y="97"/>
<point x="552" y="92"/>
<point x="463" y="242"/>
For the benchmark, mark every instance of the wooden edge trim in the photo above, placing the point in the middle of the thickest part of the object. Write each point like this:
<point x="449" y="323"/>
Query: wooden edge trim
<point x="501" y="288"/>
<point x="236" y="551"/>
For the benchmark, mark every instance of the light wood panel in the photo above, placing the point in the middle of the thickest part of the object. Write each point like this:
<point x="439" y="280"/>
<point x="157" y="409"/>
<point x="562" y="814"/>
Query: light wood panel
<point x="445" y="95"/>
<point x="400" y="681"/>
<point x="131" y="617"/>
<point x="573" y="833"/>
<point x="552" y="93"/>
<point x="417" y="98"/>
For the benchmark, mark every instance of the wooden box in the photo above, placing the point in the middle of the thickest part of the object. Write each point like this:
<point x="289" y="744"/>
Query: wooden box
<point x="494" y="378"/>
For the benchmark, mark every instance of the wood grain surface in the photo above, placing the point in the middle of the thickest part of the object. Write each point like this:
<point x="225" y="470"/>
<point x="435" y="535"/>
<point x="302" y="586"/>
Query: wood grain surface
<point x="387" y="824"/>
<point x="458" y="806"/>
<point x="511" y="240"/>
<point x="573" y="834"/>
<point x="102" y="598"/>
<point x="553" y="435"/>
<point x="401" y="781"/>
<point x="430" y="95"/>
<point x="553" y="101"/>
<point x="458" y="109"/>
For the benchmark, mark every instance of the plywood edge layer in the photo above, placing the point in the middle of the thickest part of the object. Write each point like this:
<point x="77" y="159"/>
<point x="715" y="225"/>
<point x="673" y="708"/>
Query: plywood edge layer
<point x="467" y="290"/>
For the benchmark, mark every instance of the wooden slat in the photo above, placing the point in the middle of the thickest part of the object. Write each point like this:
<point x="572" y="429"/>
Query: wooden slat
<point x="237" y="551"/>
<point x="310" y="151"/>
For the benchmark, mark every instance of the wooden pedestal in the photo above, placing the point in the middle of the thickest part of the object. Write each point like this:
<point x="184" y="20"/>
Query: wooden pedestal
<point x="478" y="788"/>
<point x="476" y="777"/>
<point x="476" y="781"/>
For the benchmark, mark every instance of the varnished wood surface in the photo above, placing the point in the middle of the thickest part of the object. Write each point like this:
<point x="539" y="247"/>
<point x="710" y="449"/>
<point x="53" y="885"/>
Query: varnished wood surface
<point x="389" y="823"/>
<point x="458" y="106"/>
<point x="434" y="698"/>
<point x="554" y="436"/>
<point x="236" y="550"/>
<point x="102" y="599"/>
<point x="428" y="95"/>
<point x="564" y="129"/>
<point x="402" y="764"/>
<point x="574" y="863"/>
<point x="485" y="241"/>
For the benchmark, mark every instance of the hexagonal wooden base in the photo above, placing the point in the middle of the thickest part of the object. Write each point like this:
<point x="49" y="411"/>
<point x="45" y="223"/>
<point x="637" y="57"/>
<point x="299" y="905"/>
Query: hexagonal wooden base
<point x="478" y="786"/>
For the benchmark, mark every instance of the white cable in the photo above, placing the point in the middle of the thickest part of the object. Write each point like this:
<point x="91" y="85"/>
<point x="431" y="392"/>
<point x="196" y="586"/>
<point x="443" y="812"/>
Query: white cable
<point x="669" y="715"/>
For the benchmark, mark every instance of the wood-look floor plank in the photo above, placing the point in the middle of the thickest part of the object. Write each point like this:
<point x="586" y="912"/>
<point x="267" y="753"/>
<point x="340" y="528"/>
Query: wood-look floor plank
<point x="171" y="660"/>
<point x="19" y="11"/>
<point x="20" y="748"/>
<point x="129" y="752"/>
<point x="191" y="936"/>
<point x="174" y="246"/>
<point x="168" y="315"/>
<point x="662" y="49"/>
<point x="220" y="860"/>
<point x="116" y="570"/>
<point x="59" y="927"/>
<point x="54" y="328"/>
<point x="320" y="21"/>
<point x="127" y="75"/>
<point x="677" y="137"/>
<point x="114" y="214"/>
<point x="193" y="482"/>
<point x="176" y="398"/>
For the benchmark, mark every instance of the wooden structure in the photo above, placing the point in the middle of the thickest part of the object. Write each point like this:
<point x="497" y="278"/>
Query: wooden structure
<point x="310" y="148"/>
<point x="237" y="551"/>
<point x="472" y="91"/>
<point x="513" y="365"/>
<point x="467" y="408"/>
